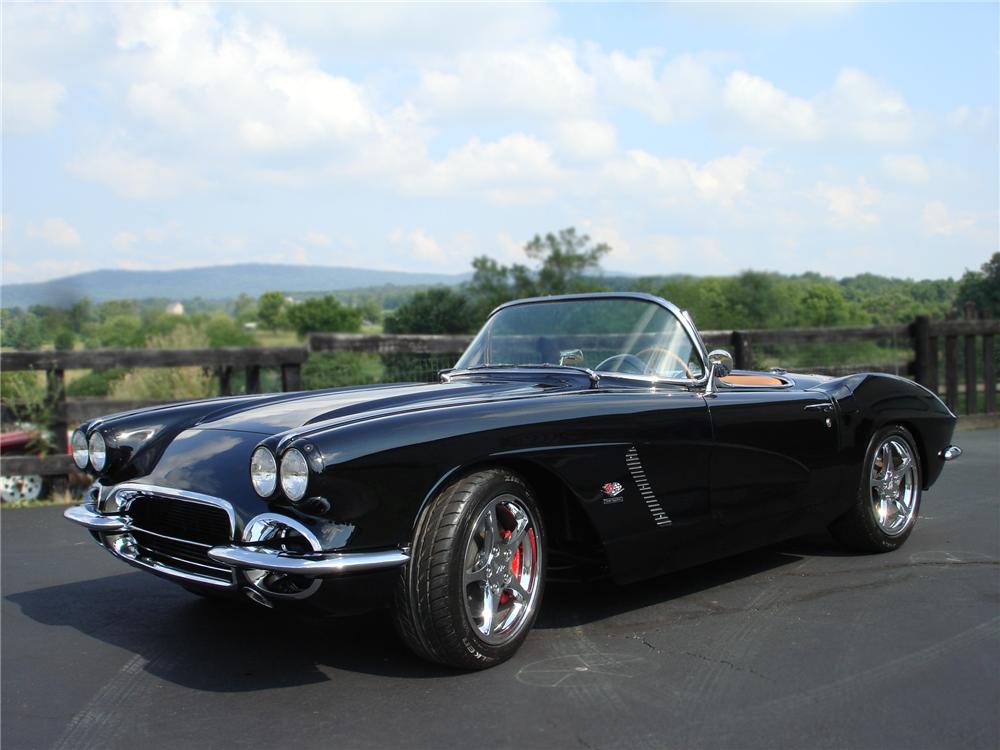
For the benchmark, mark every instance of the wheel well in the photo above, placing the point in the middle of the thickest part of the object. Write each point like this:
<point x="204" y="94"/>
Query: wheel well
<point x="921" y="451"/>
<point x="575" y="547"/>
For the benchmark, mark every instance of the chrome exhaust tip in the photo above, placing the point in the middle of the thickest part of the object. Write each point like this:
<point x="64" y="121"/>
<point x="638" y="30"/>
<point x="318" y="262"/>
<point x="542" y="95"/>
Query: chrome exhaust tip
<point x="255" y="596"/>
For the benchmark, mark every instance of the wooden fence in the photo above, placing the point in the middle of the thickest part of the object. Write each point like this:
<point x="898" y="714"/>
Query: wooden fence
<point x="923" y="337"/>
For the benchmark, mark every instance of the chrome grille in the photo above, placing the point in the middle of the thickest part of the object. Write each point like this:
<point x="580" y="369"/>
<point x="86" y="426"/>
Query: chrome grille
<point x="177" y="533"/>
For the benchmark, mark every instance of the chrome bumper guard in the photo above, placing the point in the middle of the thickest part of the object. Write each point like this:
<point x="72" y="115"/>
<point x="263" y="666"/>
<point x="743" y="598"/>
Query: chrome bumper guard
<point x="307" y="566"/>
<point x="316" y="565"/>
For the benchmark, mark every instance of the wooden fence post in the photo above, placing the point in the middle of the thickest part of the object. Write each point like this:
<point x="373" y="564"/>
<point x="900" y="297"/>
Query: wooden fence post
<point x="253" y="379"/>
<point x="921" y="333"/>
<point x="742" y="350"/>
<point x="55" y="396"/>
<point x="971" y="397"/>
<point x="291" y="377"/>
<point x="226" y="380"/>
<point x="989" y="374"/>
<point x="951" y="371"/>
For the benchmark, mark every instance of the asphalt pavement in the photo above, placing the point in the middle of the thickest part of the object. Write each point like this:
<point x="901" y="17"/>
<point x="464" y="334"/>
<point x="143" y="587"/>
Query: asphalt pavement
<point x="802" y="645"/>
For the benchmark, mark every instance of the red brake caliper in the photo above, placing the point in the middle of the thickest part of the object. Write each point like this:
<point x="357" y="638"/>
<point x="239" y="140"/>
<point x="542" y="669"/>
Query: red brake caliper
<point x="515" y="567"/>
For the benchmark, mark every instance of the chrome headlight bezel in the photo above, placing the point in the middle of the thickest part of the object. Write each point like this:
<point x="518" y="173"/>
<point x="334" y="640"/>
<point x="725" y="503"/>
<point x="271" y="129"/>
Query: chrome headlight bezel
<point x="97" y="446"/>
<point x="80" y="448"/>
<point x="263" y="471"/>
<point x="294" y="474"/>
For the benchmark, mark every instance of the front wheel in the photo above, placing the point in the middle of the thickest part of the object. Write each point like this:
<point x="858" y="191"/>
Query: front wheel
<point x="471" y="590"/>
<point x="889" y="496"/>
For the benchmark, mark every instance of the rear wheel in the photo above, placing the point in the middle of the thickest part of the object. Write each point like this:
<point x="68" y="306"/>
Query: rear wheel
<point x="471" y="590"/>
<point x="889" y="496"/>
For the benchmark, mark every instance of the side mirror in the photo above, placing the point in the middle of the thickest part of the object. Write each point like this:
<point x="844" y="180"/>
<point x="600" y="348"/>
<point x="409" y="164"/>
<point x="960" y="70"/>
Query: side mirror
<point x="570" y="357"/>
<point x="720" y="364"/>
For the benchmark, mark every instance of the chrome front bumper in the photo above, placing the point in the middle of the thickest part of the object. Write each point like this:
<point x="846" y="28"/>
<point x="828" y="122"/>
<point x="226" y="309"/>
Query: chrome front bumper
<point x="314" y="565"/>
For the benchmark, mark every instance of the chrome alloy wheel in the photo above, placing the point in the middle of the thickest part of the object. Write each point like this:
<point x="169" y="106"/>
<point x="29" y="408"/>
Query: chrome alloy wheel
<point x="501" y="570"/>
<point x="894" y="486"/>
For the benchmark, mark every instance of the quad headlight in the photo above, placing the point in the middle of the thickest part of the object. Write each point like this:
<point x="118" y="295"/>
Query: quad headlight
<point x="79" y="445"/>
<point x="263" y="472"/>
<point x="98" y="451"/>
<point x="294" y="474"/>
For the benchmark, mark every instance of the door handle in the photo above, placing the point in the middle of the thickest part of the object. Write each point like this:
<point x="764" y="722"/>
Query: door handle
<point x="825" y="407"/>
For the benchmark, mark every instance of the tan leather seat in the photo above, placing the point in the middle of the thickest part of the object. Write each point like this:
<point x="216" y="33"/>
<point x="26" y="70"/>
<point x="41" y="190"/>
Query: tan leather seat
<point x="758" y="380"/>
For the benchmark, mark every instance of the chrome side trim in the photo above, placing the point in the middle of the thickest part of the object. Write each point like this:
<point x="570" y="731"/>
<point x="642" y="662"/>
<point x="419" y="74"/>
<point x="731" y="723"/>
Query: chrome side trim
<point x="86" y="516"/>
<point x="313" y="566"/>
<point x="951" y="453"/>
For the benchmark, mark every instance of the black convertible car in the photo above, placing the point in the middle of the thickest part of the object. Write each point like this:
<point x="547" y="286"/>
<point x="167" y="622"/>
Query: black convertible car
<point x="582" y="434"/>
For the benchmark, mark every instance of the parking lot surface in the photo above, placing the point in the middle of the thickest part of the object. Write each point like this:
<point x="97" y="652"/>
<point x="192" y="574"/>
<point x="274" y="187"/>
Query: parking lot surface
<point x="799" y="645"/>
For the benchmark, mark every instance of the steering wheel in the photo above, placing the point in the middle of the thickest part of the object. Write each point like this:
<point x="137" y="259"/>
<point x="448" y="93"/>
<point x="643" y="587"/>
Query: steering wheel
<point x="623" y="363"/>
<point x="650" y="350"/>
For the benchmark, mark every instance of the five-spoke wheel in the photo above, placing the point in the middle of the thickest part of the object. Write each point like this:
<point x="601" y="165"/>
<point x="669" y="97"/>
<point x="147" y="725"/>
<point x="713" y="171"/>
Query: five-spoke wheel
<point x="894" y="490"/>
<point x="471" y="590"/>
<point x="501" y="566"/>
<point x="888" y="500"/>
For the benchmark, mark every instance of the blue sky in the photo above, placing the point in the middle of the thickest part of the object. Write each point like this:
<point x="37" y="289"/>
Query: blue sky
<point x="693" y="138"/>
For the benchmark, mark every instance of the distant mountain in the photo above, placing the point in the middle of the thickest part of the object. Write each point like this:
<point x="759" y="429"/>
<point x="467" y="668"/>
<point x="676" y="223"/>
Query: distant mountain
<point x="211" y="282"/>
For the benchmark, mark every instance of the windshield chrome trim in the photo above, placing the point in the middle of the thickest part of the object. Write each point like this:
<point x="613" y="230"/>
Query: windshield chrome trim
<point x="685" y="322"/>
<point x="603" y="375"/>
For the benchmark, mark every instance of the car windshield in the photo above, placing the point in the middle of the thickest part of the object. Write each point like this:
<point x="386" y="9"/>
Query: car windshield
<point x="611" y="335"/>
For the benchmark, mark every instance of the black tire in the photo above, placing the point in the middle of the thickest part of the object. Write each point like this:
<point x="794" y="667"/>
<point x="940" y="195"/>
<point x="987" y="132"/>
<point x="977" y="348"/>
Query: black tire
<point x="859" y="527"/>
<point x="430" y="604"/>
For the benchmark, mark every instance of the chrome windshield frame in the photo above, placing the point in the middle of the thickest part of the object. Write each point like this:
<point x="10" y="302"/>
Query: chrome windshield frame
<point x="684" y="320"/>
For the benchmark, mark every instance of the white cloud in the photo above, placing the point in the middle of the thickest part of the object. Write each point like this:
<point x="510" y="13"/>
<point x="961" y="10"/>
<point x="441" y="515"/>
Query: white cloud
<point x="866" y="109"/>
<point x="129" y="175"/>
<point x="764" y="106"/>
<point x="850" y="206"/>
<point x="319" y="239"/>
<point x="683" y="88"/>
<point x="939" y="220"/>
<point x="30" y="106"/>
<point x="674" y="180"/>
<point x="908" y="168"/>
<point x="55" y="231"/>
<point x="586" y="140"/>
<point x="234" y="85"/>
<point x="856" y="108"/>
<point x="515" y="168"/>
<point x="541" y="79"/>
<point x="124" y="240"/>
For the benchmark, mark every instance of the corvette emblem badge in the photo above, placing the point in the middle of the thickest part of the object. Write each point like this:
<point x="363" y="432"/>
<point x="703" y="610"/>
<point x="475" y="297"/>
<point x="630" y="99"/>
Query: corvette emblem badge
<point x="612" y="492"/>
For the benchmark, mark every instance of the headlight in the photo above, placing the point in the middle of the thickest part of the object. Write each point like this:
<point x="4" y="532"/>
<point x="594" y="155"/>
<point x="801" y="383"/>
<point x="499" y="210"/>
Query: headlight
<point x="263" y="472"/>
<point x="79" y="445"/>
<point x="98" y="451"/>
<point x="294" y="475"/>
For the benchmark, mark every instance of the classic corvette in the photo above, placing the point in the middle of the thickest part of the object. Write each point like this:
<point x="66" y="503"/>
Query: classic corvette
<point x="584" y="435"/>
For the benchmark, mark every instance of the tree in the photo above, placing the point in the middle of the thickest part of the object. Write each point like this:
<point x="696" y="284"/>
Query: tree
<point x="21" y="330"/>
<point x="981" y="287"/>
<point x="565" y="258"/>
<point x="245" y="309"/>
<point x="270" y="309"/>
<point x="438" y="310"/>
<point x="323" y="314"/>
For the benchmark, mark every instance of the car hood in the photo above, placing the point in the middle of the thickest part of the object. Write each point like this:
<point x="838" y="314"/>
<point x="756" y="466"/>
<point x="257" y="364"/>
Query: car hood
<point x="350" y="404"/>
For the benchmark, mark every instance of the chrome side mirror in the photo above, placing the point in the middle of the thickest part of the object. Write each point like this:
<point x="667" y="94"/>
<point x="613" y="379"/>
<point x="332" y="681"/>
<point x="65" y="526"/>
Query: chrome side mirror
<point x="570" y="357"/>
<point x="720" y="364"/>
